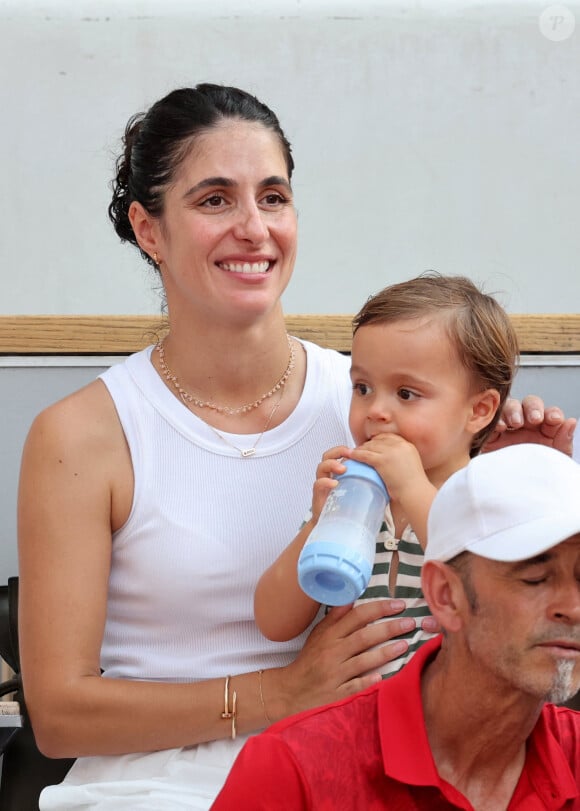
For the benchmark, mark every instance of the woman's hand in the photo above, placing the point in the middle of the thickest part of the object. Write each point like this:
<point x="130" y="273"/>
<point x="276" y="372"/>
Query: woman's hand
<point x="530" y="421"/>
<point x="342" y="655"/>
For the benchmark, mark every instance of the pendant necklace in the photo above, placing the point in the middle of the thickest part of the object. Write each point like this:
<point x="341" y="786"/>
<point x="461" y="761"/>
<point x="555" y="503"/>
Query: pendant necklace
<point x="246" y="453"/>
<point x="188" y="398"/>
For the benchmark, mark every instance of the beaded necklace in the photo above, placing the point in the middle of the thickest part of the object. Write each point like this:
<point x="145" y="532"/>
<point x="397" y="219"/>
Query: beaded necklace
<point x="187" y="397"/>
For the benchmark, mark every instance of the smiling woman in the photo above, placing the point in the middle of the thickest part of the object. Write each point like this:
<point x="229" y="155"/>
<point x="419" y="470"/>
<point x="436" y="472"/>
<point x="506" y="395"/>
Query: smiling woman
<point x="182" y="472"/>
<point x="228" y="231"/>
<point x="152" y="499"/>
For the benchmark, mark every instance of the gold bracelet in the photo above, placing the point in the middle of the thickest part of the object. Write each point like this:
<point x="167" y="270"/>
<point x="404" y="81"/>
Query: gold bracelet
<point x="228" y="714"/>
<point x="266" y="716"/>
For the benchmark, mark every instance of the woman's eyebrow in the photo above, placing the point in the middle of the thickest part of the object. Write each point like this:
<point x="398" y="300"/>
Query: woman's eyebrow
<point x="209" y="182"/>
<point x="276" y="180"/>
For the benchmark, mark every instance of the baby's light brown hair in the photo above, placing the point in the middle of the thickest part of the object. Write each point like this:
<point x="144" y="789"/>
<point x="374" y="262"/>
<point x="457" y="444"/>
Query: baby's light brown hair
<point x="477" y="325"/>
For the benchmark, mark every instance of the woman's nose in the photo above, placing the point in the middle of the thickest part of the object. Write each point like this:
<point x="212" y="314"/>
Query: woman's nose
<point x="250" y="224"/>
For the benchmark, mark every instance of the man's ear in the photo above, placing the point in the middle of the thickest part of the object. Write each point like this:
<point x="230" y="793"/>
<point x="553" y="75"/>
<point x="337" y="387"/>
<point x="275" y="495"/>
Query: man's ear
<point x="444" y="593"/>
<point x="146" y="229"/>
<point x="484" y="406"/>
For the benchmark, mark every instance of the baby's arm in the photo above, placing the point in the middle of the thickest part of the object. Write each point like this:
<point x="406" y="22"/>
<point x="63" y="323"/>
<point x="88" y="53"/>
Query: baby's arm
<point x="399" y="465"/>
<point x="282" y="610"/>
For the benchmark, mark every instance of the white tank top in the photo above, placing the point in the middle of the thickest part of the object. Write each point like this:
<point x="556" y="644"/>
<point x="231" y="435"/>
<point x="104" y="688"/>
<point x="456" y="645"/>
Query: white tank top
<point x="205" y="523"/>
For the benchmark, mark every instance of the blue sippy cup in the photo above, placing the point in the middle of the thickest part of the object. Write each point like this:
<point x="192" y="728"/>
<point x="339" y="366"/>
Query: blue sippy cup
<point x="336" y="562"/>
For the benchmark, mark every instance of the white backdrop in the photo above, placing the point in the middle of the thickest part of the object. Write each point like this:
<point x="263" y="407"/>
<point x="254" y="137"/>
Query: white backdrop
<point x="426" y="134"/>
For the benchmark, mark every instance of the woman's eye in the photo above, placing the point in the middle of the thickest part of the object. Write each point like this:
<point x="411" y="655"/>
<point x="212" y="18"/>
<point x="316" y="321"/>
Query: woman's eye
<point x="274" y="199"/>
<point x="215" y="201"/>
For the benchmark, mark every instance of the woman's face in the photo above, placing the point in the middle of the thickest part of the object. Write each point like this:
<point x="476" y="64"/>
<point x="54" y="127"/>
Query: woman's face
<point x="227" y="237"/>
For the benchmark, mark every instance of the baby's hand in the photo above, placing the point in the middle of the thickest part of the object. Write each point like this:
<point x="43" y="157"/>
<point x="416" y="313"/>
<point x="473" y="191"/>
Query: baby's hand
<point x="330" y="466"/>
<point x="396" y="461"/>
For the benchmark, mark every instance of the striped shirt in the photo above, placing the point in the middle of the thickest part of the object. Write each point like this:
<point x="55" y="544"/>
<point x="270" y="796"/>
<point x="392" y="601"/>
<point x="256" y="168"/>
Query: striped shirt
<point x="408" y="584"/>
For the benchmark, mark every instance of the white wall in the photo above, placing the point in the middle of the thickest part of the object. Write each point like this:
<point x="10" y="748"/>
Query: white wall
<point x="427" y="135"/>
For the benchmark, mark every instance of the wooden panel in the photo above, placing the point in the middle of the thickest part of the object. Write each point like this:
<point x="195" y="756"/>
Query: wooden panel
<point x="122" y="334"/>
<point x="548" y="333"/>
<point x="70" y="334"/>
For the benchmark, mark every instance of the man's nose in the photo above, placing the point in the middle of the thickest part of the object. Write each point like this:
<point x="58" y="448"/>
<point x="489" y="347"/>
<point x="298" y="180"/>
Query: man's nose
<point x="565" y="606"/>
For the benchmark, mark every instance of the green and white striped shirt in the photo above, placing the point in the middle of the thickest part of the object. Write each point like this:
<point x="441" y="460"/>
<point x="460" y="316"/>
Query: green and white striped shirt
<point x="408" y="584"/>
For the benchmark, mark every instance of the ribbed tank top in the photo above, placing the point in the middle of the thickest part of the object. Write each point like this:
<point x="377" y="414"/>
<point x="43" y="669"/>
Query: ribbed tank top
<point x="205" y="523"/>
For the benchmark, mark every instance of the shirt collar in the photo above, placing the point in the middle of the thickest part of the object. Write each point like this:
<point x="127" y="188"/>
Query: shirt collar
<point x="407" y="754"/>
<point x="404" y="744"/>
<point x="549" y="770"/>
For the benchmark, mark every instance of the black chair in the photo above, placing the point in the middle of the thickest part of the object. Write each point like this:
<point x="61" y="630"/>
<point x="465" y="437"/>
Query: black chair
<point x="10" y="717"/>
<point x="25" y="770"/>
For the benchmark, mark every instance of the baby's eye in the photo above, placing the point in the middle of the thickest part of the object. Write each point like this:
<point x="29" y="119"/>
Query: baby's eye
<point x="361" y="388"/>
<point x="407" y="394"/>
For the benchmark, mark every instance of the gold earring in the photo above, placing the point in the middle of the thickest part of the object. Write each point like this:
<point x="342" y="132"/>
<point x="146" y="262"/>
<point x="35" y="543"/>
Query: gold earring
<point x="156" y="258"/>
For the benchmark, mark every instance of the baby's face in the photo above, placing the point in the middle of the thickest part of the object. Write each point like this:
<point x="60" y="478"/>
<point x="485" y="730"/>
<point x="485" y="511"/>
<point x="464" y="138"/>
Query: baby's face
<point x="407" y="379"/>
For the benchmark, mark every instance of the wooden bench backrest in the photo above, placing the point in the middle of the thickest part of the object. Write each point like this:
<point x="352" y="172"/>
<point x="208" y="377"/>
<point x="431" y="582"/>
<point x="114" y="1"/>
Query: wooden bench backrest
<point x="123" y="334"/>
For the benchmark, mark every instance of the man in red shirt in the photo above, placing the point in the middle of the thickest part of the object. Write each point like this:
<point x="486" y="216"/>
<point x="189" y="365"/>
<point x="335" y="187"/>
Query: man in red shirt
<point x="471" y="722"/>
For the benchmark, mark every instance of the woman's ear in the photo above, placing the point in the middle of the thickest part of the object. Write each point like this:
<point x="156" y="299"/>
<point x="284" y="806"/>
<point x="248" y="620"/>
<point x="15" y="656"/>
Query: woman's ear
<point x="146" y="229"/>
<point x="444" y="593"/>
<point x="484" y="406"/>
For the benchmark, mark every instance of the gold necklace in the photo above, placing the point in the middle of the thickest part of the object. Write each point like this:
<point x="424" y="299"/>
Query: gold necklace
<point x="245" y="453"/>
<point x="187" y="397"/>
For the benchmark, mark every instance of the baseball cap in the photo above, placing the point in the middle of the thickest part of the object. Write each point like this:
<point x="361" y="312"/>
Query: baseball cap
<point x="508" y="505"/>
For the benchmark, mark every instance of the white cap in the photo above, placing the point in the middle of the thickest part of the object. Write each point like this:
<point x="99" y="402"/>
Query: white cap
<point x="511" y="504"/>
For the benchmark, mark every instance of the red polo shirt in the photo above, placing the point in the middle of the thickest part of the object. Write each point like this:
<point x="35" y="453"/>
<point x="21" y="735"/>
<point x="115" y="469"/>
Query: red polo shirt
<point x="371" y="751"/>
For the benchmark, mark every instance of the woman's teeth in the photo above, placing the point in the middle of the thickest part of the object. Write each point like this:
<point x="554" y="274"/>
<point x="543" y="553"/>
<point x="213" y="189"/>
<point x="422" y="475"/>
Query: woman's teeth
<point x="245" y="267"/>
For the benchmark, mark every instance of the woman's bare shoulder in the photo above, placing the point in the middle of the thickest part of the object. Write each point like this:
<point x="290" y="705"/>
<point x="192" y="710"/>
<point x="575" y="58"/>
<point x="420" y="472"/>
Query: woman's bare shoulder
<point x="86" y="415"/>
<point x="79" y="442"/>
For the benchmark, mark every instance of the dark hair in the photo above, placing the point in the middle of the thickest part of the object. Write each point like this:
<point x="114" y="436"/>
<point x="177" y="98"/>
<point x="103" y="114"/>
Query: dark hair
<point x="477" y="325"/>
<point x="461" y="564"/>
<point x="156" y="142"/>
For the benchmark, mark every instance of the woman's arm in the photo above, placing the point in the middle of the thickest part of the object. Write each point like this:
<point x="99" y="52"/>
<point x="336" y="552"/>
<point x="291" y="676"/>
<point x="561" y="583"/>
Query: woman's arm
<point x="75" y="489"/>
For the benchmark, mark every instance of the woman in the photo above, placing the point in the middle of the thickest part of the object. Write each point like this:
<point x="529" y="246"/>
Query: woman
<point x="152" y="499"/>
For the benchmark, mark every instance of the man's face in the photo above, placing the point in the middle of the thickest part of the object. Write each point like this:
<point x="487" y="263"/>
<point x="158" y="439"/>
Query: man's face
<point x="524" y="621"/>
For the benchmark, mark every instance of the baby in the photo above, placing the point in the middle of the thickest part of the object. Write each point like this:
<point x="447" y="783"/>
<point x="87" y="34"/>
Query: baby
<point x="433" y="361"/>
